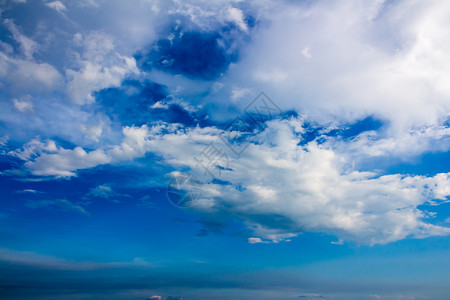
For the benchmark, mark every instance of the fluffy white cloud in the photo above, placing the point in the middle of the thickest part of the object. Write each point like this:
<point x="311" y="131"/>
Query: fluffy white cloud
<point x="278" y="188"/>
<point x="34" y="148"/>
<point x="22" y="76"/>
<point x="333" y="61"/>
<point x="65" y="162"/>
<point x="100" y="67"/>
<point x="347" y="59"/>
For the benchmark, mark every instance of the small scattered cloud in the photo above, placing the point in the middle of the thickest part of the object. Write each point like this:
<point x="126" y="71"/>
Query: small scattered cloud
<point x="239" y="93"/>
<point x="101" y="191"/>
<point x="23" y="105"/>
<point x="29" y="191"/>
<point x="61" y="204"/>
<point x="4" y="140"/>
<point x="306" y="52"/>
<point x="105" y="192"/>
<point x="34" y="148"/>
<point x="255" y="240"/>
<point x="57" y="5"/>
<point x="236" y="16"/>
<point x="338" y="242"/>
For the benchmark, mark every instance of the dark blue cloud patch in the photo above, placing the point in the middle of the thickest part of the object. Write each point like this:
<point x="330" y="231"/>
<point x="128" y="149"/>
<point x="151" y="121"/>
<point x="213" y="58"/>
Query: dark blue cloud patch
<point x="367" y="124"/>
<point x="194" y="53"/>
<point x="345" y="131"/>
<point x="130" y="103"/>
<point x="133" y="104"/>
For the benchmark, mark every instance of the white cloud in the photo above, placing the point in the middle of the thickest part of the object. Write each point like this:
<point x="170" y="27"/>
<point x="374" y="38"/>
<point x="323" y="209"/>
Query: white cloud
<point x="236" y="16"/>
<point x="57" y="5"/>
<point x="100" y="67"/>
<point x="102" y="191"/>
<point x="311" y="189"/>
<point x="353" y="69"/>
<point x="284" y="189"/>
<point x="404" y="146"/>
<point x="23" y="77"/>
<point x="27" y="45"/>
<point x="239" y="93"/>
<point x="65" y="162"/>
<point x="28" y="191"/>
<point x="47" y="159"/>
<point x="306" y="52"/>
<point x="106" y="192"/>
<point x="255" y="240"/>
<point x="4" y="140"/>
<point x="34" y="148"/>
<point x="93" y="132"/>
<point x="24" y="104"/>
<point x="385" y="59"/>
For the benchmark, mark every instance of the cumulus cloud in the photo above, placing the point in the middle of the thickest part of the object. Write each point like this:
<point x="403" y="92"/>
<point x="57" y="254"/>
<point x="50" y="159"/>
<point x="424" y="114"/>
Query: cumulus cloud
<point x="65" y="162"/>
<point x="337" y="62"/>
<point x="23" y="76"/>
<point x="34" y="148"/>
<point x="99" y="67"/>
<point x="278" y="188"/>
<point x="59" y="162"/>
<point x="97" y="72"/>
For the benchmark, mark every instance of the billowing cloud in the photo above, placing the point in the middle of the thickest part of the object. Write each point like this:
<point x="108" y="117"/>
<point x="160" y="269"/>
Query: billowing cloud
<point x="338" y="62"/>
<point x="100" y="67"/>
<point x="334" y="65"/>
<point x="279" y="188"/>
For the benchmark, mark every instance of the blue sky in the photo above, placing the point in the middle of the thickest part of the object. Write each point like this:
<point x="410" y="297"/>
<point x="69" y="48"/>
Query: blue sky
<point x="315" y="133"/>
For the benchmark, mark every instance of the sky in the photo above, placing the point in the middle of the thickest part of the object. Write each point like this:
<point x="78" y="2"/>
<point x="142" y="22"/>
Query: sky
<point x="225" y="150"/>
